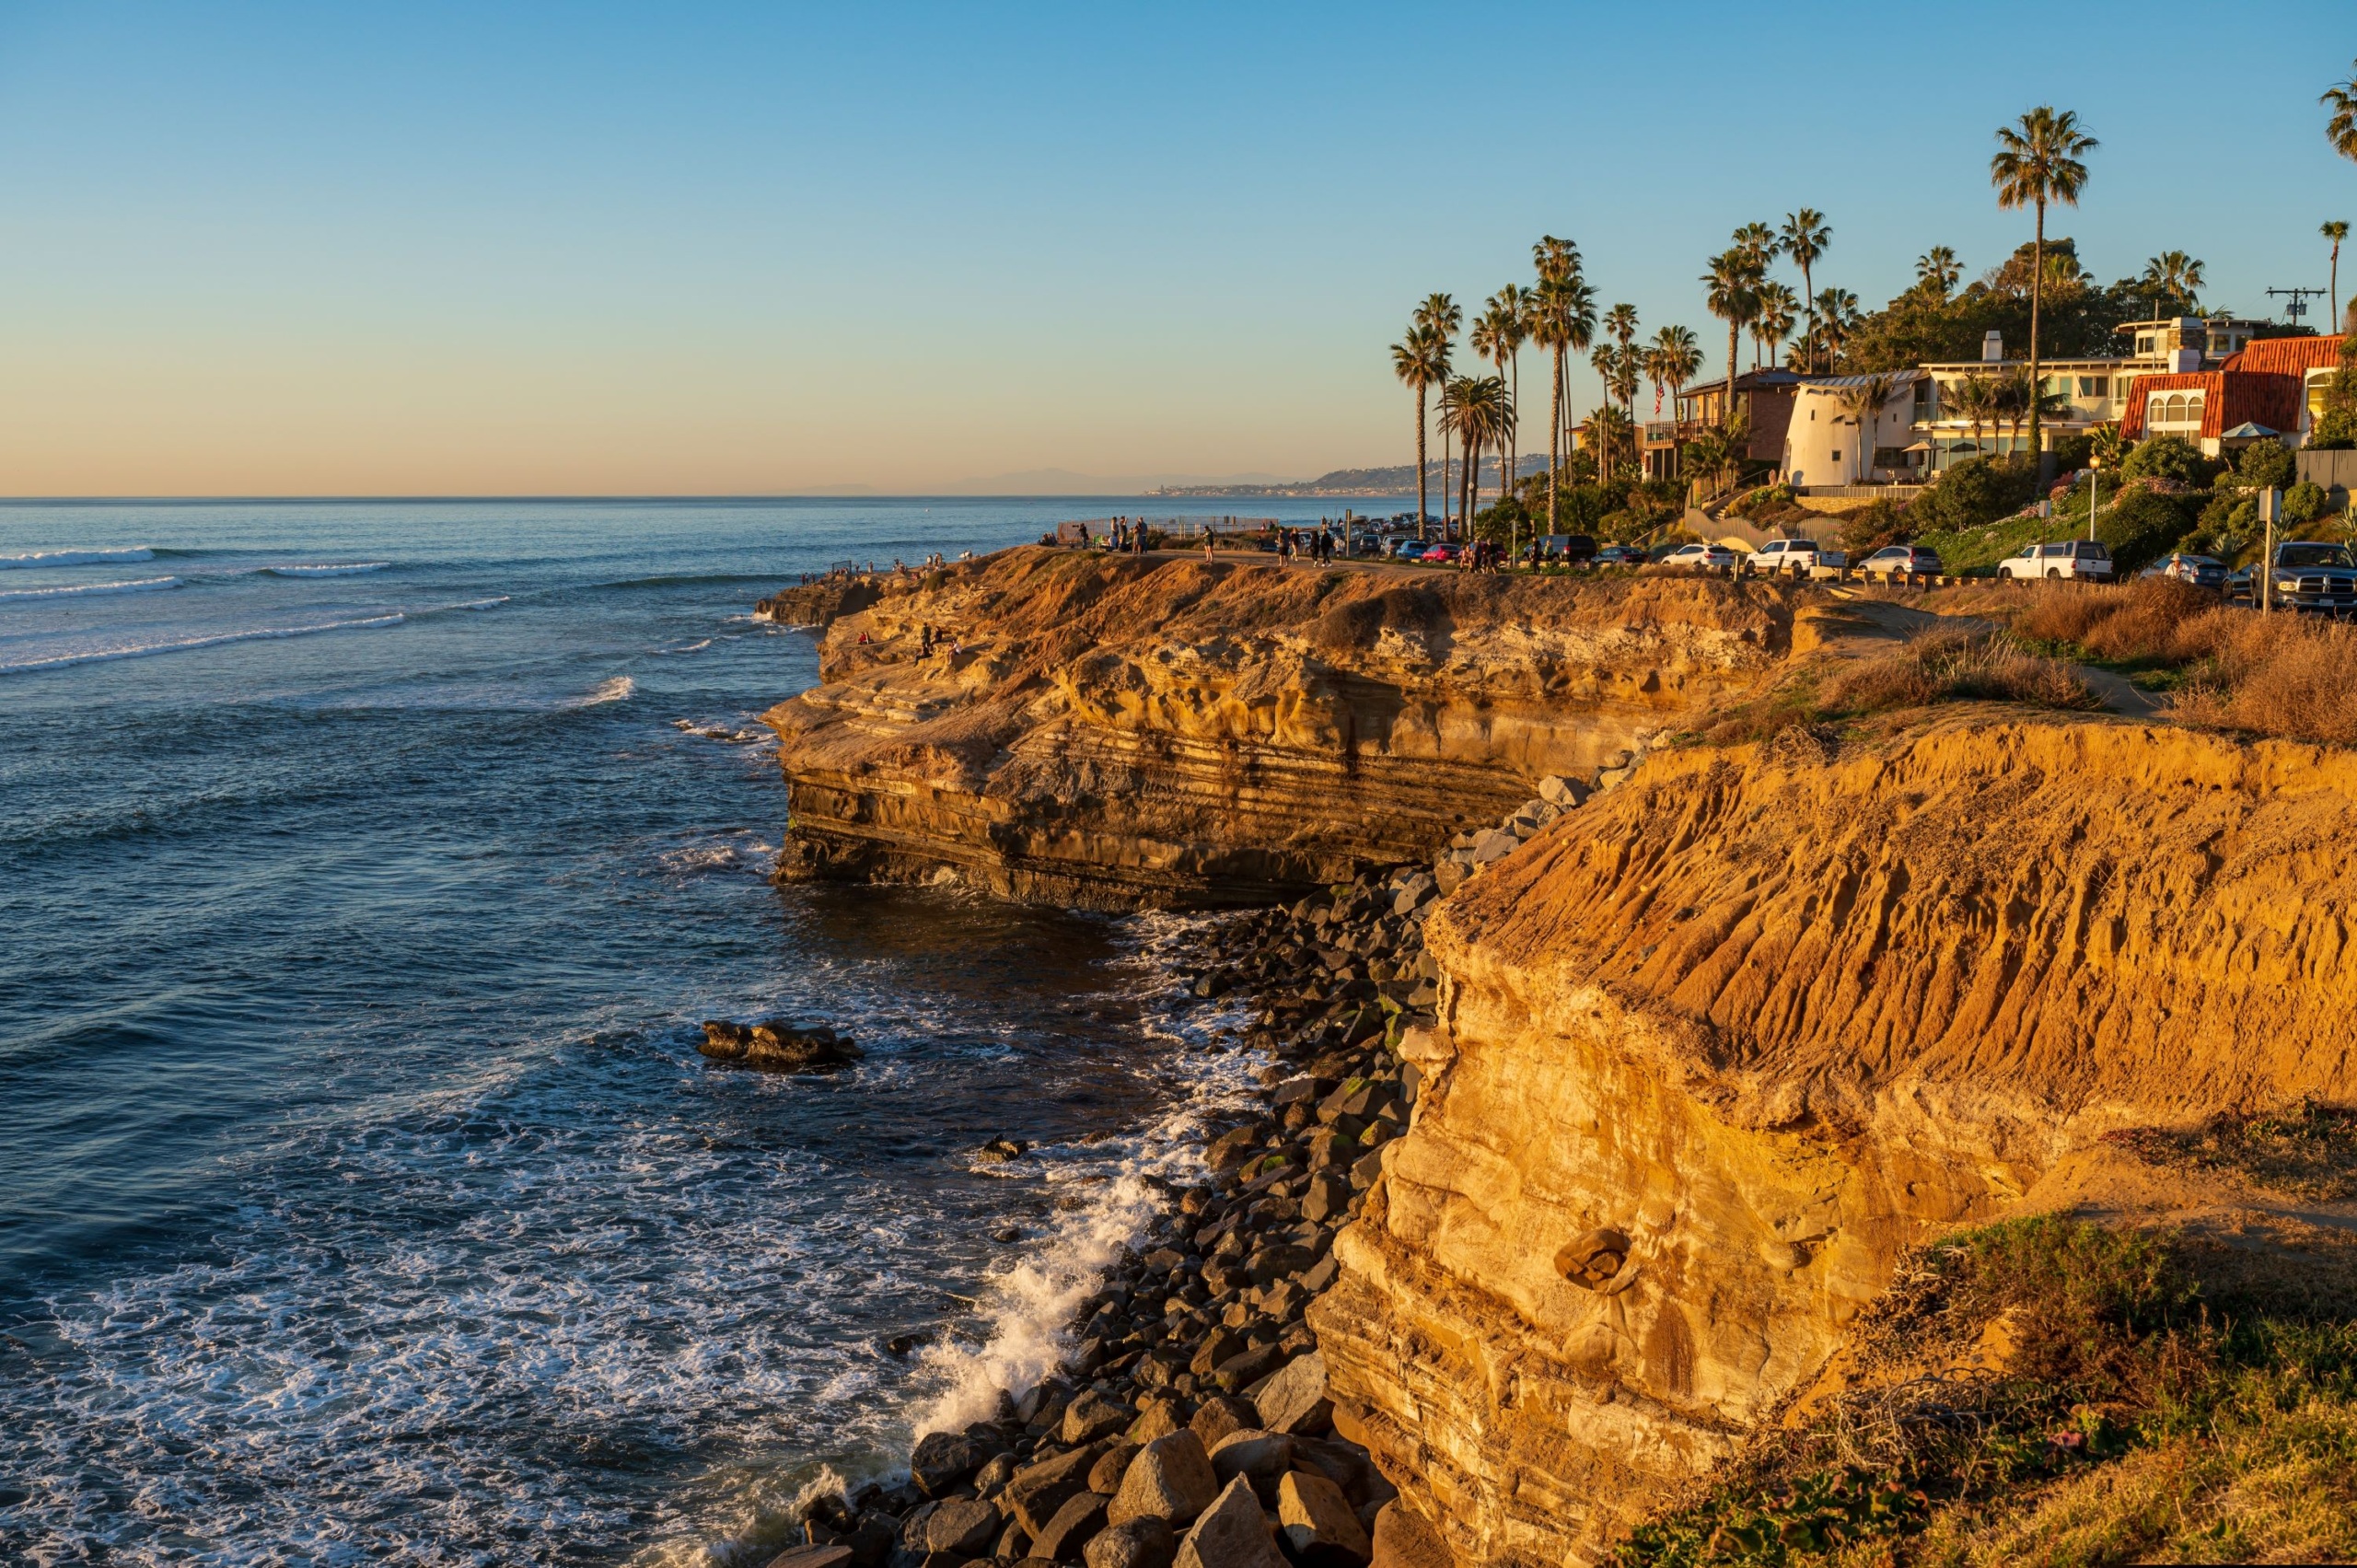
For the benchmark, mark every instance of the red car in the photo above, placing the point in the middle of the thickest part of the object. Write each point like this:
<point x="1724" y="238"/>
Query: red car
<point x="1442" y="554"/>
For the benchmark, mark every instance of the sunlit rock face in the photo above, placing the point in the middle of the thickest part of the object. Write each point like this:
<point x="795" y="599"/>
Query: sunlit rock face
<point x="1120" y="732"/>
<point x="1716" y="1048"/>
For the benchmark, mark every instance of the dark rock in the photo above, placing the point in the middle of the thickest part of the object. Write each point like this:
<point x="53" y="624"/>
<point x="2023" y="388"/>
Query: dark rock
<point x="1321" y="1274"/>
<point x="1293" y="1401"/>
<point x="777" y="1046"/>
<point x="813" y="1557"/>
<point x="1148" y="1542"/>
<point x="942" y="1459"/>
<point x="963" y="1525"/>
<point x="1002" y="1149"/>
<point x="1317" y="1526"/>
<point x="1105" y="1475"/>
<point x="1036" y="1491"/>
<point x="1082" y="1516"/>
<point x="1170" y="1479"/>
<point x="1233" y="1533"/>
<point x="1091" y="1416"/>
<point x="1220" y="1415"/>
<point x="1261" y="1457"/>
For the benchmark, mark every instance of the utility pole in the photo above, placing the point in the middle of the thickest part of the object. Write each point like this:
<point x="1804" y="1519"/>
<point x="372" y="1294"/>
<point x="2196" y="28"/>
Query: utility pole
<point x="2270" y="506"/>
<point x="2299" y="297"/>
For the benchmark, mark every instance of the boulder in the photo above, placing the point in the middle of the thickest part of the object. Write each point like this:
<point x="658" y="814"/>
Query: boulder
<point x="965" y="1525"/>
<point x="1160" y="1420"/>
<point x="1404" y="1539"/>
<point x="1106" y="1474"/>
<point x="812" y="1557"/>
<point x="1220" y="1415"/>
<point x="1316" y="1524"/>
<point x="1496" y="845"/>
<point x="1557" y="790"/>
<point x="943" y="1459"/>
<point x="1140" y="1543"/>
<point x="1082" y="1516"/>
<point x="1170" y="1479"/>
<point x="1259" y="1458"/>
<point x="1293" y="1401"/>
<point x="777" y="1046"/>
<point x="1328" y="1194"/>
<point x="1238" y="1373"/>
<point x="1091" y="1415"/>
<point x="1036" y="1491"/>
<point x="1232" y="1533"/>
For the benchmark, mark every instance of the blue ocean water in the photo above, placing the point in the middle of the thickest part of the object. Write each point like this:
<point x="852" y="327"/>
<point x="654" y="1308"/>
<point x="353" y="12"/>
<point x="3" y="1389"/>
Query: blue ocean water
<point x="363" y="871"/>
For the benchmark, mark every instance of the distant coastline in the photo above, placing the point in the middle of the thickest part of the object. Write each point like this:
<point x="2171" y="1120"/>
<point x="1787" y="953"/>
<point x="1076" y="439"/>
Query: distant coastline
<point x="1399" y="479"/>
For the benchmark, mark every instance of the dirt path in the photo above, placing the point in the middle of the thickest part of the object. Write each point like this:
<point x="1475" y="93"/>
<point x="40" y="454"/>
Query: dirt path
<point x="1901" y="621"/>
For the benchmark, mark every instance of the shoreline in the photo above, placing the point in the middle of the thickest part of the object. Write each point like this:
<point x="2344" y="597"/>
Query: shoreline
<point x="1192" y="1351"/>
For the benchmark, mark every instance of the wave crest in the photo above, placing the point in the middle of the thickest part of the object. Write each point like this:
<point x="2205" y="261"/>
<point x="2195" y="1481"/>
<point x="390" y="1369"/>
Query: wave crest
<point x="35" y="558"/>
<point x="136" y="585"/>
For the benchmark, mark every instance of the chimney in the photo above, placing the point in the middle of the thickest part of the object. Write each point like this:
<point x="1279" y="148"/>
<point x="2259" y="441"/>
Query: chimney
<point x="1992" y="347"/>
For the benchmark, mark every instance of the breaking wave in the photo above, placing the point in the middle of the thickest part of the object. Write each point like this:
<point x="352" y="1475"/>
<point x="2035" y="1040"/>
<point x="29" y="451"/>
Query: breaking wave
<point x="136" y="585"/>
<point x="185" y="645"/>
<point x="330" y="569"/>
<point x="76" y="557"/>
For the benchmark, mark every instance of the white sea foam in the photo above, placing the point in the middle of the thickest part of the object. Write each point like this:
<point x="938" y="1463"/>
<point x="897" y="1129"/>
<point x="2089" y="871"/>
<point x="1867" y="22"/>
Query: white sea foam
<point x="1024" y="1313"/>
<point x="136" y="585"/>
<point x="618" y="689"/>
<point x="184" y="644"/>
<point x="76" y="557"/>
<point x="731" y="734"/>
<point x="328" y="569"/>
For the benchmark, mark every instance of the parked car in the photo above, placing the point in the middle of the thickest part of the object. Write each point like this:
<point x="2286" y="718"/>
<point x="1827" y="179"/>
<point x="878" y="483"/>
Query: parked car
<point x="2199" y="570"/>
<point x="2314" y="577"/>
<point x="1832" y="560"/>
<point x="1901" y="561"/>
<point x="1709" y="557"/>
<point x="2082" y="558"/>
<point x="1797" y="556"/>
<point x="1572" y="549"/>
<point x="1619" y="555"/>
<point x="1441" y="554"/>
<point x="1409" y="549"/>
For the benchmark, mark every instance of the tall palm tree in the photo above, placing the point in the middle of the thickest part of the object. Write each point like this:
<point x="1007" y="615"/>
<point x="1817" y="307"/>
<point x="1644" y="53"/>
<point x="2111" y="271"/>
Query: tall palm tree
<point x="1480" y="412"/>
<point x="1442" y="315"/>
<point x="2038" y="162"/>
<point x="1805" y="236"/>
<point x="1936" y="270"/>
<point x="1864" y="403"/>
<point x="1733" y="280"/>
<point x="2014" y="402"/>
<point x="1420" y="360"/>
<point x="1510" y="308"/>
<point x="1562" y="321"/>
<point x="1621" y="322"/>
<point x="1760" y="245"/>
<point x="2341" y="129"/>
<point x="2335" y="230"/>
<point x="1837" y="317"/>
<point x="1777" y="304"/>
<point x="2175" y="276"/>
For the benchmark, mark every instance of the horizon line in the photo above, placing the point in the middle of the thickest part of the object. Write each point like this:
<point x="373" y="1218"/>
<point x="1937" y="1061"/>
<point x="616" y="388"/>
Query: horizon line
<point x="555" y="499"/>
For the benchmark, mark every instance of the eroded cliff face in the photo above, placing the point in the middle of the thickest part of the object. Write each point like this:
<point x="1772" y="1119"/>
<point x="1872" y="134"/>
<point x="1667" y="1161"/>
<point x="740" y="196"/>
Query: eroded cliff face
<point x="1117" y="732"/>
<point x="1767" y="1017"/>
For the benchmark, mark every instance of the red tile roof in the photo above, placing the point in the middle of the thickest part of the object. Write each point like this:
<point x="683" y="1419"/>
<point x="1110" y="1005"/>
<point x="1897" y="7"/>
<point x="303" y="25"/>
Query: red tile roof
<point x="2286" y="356"/>
<point x="2234" y="397"/>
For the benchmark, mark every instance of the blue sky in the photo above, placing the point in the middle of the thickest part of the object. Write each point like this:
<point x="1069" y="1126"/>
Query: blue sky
<point x="332" y="249"/>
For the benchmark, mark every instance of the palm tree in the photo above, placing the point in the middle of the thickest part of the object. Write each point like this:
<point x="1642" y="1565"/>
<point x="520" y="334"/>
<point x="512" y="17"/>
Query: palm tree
<point x="1734" y="277"/>
<point x="1937" y="271"/>
<point x="1805" y="235"/>
<point x="1777" y="304"/>
<point x="1479" y="412"/>
<point x="1440" y="315"/>
<point x="1837" y="317"/>
<point x="1621" y="322"/>
<point x="2014" y="400"/>
<point x="1976" y="398"/>
<point x="2341" y="129"/>
<point x="1864" y="403"/>
<point x="1509" y="309"/>
<point x="1562" y="320"/>
<point x="2036" y="162"/>
<point x="1420" y="360"/>
<point x="2175" y="276"/>
<point x="2336" y="230"/>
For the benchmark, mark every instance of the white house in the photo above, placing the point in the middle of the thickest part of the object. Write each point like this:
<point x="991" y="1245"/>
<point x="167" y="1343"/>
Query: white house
<point x="1826" y="443"/>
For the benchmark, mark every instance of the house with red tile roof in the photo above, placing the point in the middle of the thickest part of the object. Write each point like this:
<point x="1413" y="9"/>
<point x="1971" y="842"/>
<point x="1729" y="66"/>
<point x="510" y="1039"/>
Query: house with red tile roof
<point x="2276" y="384"/>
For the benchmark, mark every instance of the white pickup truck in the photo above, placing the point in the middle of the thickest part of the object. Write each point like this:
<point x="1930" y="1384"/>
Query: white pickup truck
<point x="2081" y="558"/>
<point x="1797" y="556"/>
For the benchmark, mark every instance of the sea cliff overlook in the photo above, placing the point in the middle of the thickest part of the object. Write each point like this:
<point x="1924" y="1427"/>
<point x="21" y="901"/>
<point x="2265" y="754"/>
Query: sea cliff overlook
<point x="1715" y="1050"/>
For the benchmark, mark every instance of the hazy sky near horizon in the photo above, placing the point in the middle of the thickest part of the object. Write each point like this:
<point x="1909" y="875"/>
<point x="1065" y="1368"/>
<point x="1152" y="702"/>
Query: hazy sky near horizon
<point x="735" y="248"/>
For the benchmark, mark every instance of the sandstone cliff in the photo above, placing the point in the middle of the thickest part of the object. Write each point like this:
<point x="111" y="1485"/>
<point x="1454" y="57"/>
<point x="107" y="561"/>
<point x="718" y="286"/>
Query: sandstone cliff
<point x="1111" y="731"/>
<point x="1718" y="1046"/>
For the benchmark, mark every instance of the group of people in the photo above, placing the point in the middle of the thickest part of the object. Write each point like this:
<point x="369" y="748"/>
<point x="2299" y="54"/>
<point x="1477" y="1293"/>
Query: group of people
<point x="1314" y="543"/>
<point x="1129" y="535"/>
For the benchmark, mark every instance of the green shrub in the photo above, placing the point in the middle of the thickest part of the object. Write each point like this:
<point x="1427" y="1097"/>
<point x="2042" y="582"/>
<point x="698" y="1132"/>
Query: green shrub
<point x="2168" y="457"/>
<point x="2268" y="464"/>
<point x="2334" y="431"/>
<point x="1872" y="526"/>
<point x="2226" y="527"/>
<point x="1975" y="493"/>
<point x="1767" y="498"/>
<point x="1622" y="527"/>
<point x="2305" y="503"/>
<point x="2141" y="529"/>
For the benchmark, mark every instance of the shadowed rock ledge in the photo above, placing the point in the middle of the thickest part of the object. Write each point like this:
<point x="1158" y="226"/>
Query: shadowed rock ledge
<point x="1119" y="732"/>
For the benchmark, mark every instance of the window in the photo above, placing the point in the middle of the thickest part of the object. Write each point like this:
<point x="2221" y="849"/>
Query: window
<point x="1837" y="456"/>
<point x="2094" y="386"/>
<point x="2143" y="342"/>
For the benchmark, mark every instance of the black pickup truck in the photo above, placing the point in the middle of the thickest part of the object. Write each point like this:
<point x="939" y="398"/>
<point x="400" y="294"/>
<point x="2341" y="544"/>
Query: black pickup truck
<point x="2320" y="579"/>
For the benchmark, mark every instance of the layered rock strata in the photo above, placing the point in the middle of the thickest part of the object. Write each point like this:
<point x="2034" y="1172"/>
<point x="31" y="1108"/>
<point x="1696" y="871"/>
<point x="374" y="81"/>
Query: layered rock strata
<point x="1117" y="731"/>
<point x="1714" y="1049"/>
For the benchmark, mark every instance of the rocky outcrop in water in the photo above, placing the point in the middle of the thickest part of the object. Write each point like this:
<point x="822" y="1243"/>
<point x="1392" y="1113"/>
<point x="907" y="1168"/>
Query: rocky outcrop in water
<point x="774" y="1045"/>
<point x="1115" y="731"/>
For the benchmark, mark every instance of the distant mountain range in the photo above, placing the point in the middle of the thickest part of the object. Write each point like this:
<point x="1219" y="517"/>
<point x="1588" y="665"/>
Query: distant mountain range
<point x="1064" y="481"/>
<point x="1398" y="480"/>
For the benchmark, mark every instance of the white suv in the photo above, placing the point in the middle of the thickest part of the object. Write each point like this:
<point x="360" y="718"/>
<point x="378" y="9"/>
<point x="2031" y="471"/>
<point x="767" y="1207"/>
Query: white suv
<point x="2067" y="558"/>
<point x="1797" y="556"/>
<point x="1712" y="557"/>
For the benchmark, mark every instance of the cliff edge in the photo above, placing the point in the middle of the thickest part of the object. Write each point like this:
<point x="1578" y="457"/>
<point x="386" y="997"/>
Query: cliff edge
<point x="1118" y="732"/>
<point x="1719" y="1046"/>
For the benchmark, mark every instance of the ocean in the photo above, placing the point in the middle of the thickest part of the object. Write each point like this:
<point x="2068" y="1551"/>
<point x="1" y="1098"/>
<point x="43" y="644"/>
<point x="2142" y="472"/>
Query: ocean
<point x="365" y="871"/>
